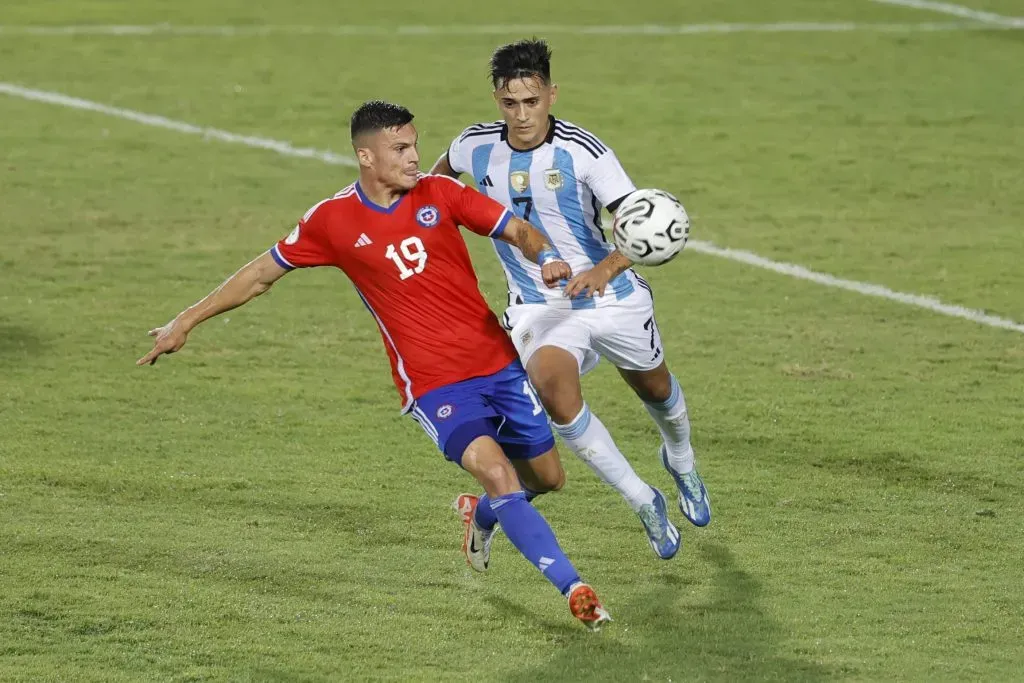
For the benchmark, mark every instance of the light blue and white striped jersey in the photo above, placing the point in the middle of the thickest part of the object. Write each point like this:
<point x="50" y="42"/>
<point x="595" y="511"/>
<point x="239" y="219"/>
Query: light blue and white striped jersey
<point x="560" y="186"/>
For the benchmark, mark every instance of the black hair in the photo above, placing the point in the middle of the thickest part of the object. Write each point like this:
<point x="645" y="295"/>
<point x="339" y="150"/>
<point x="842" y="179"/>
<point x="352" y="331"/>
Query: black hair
<point x="377" y="115"/>
<point x="521" y="59"/>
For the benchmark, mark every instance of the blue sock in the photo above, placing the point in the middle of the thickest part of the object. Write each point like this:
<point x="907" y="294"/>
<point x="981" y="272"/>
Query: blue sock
<point x="485" y="517"/>
<point x="531" y="535"/>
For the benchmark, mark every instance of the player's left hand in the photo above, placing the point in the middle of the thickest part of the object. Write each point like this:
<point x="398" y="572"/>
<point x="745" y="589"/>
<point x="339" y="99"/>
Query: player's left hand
<point x="554" y="272"/>
<point x="588" y="283"/>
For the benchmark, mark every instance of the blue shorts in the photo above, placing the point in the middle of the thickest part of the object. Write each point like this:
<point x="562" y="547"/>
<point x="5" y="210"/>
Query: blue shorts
<point x="502" y="405"/>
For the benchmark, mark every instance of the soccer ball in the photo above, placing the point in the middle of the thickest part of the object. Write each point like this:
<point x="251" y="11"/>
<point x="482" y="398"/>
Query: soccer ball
<point x="650" y="227"/>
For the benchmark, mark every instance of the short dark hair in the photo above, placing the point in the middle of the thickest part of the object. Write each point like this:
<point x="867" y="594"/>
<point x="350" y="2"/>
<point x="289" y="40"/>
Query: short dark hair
<point x="377" y="115"/>
<point x="521" y="59"/>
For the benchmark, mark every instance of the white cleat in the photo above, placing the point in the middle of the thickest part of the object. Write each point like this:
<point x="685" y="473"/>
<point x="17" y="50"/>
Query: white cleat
<point x="476" y="543"/>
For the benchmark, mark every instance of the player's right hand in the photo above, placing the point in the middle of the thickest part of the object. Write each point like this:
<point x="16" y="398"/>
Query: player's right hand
<point x="555" y="272"/>
<point x="169" y="338"/>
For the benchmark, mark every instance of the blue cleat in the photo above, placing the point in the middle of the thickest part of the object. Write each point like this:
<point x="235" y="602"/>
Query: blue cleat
<point x="662" y="534"/>
<point x="694" y="502"/>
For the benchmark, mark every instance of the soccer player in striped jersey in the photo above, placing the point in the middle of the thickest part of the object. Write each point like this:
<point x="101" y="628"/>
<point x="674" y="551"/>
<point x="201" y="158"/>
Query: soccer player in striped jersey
<point x="558" y="176"/>
<point x="394" y="233"/>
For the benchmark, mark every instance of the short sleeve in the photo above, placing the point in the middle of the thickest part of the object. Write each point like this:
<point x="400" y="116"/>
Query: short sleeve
<point x="473" y="210"/>
<point x="458" y="154"/>
<point x="607" y="179"/>
<point x="307" y="245"/>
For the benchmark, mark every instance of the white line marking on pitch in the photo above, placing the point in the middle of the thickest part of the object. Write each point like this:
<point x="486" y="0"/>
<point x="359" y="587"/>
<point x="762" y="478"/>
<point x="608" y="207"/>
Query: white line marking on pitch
<point x="792" y="270"/>
<point x="958" y="11"/>
<point x="179" y="126"/>
<point x="866" y="288"/>
<point x="498" y="29"/>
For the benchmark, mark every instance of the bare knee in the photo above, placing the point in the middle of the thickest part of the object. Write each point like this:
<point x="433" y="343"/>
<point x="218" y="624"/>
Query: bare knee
<point x="486" y="461"/>
<point x="554" y="373"/>
<point x="560" y="394"/>
<point x="495" y="478"/>
<point x="543" y="473"/>
<point x="557" y="482"/>
<point x="551" y="478"/>
<point x="651" y="386"/>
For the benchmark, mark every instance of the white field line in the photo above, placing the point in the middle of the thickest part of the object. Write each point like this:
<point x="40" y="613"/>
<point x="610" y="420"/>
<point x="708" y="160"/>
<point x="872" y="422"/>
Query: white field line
<point x="866" y="288"/>
<point x="178" y="126"/>
<point x="499" y="29"/>
<point x="792" y="270"/>
<point x="958" y="11"/>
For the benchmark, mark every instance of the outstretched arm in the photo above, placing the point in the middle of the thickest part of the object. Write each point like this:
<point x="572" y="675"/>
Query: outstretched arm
<point x="249" y="282"/>
<point x="611" y="185"/>
<point x="536" y="247"/>
<point x="593" y="281"/>
<point x="443" y="167"/>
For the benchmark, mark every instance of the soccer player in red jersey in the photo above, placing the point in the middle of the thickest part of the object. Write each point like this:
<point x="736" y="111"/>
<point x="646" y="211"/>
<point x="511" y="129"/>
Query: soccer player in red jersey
<point x="395" y="234"/>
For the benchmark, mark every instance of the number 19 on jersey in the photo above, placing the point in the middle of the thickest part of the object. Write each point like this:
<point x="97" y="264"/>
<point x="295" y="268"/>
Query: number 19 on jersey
<point x="412" y="253"/>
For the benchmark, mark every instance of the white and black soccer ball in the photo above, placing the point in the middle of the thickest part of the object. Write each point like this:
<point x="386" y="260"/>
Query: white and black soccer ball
<point x="651" y="227"/>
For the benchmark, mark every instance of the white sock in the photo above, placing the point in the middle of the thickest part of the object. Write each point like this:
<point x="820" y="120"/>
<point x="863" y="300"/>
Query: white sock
<point x="591" y="442"/>
<point x="674" y="425"/>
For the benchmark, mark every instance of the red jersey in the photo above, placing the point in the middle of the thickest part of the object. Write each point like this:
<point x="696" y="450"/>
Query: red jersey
<point x="410" y="266"/>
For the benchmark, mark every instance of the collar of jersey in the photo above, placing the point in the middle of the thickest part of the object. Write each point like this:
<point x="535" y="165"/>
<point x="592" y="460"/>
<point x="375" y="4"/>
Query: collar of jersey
<point x="547" y="138"/>
<point x="377" y="207"/>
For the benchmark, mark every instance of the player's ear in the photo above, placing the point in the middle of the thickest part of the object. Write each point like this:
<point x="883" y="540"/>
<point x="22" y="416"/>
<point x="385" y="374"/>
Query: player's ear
<point x="363" y="146"/>
<point x="554" y="92"/>
<point x="364" y="151"/>
<point x="365" y="156"/>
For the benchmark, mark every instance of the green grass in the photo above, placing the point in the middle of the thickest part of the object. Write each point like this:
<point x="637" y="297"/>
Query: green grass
<point x="254" y="508"/>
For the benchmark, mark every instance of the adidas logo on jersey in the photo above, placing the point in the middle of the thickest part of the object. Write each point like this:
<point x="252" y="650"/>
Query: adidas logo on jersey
<point x="486" y="182"/>
<point x="363" y="240"/>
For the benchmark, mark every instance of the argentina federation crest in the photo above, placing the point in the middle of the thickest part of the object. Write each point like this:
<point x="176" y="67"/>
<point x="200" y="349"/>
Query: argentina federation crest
<point x="520" y="180"/>
<point x="553" y="179"/>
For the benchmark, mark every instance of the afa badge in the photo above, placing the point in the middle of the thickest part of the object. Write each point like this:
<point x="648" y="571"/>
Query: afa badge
<point x="428" y="216"/>
<point x="553" y="179"/>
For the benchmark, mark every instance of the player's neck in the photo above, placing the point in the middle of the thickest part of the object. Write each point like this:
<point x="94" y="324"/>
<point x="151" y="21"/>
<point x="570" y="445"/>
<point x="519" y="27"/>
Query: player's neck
<point x="380" y="194"/>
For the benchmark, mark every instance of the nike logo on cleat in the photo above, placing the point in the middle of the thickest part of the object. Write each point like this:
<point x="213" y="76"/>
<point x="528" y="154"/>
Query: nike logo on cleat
<point x="473" y="551"/>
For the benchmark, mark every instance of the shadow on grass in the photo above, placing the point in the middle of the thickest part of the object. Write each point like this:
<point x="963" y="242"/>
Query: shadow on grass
<point x="16" y="341"/>
<point x="729" y="638"/>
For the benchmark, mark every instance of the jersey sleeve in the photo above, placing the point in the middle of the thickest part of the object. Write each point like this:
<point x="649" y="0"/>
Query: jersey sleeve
<point x="306" y="246"/>
<point x="473" y="210"/>
<point x="458" y="155"/>
<point x="608" y="180"/>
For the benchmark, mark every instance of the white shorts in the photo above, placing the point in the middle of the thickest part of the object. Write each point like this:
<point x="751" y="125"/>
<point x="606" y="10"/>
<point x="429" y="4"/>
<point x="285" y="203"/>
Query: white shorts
<point x="624" y="332"/>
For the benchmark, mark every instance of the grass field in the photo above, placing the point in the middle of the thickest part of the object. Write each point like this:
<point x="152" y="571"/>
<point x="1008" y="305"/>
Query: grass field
<point x="254" y="508"/>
